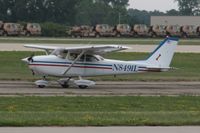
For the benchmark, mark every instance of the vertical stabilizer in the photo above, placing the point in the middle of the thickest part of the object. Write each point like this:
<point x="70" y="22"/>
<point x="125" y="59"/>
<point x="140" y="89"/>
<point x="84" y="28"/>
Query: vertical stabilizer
<point x="163" y="54"/>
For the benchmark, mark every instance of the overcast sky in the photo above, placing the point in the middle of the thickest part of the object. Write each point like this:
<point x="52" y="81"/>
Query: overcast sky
<point x="151" y="5"/>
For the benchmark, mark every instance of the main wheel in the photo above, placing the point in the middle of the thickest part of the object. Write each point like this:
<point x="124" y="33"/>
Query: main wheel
<point x="153" y="35"/>
<point x="184" y="35"/>
<point x="28" y="34"/>
<point x="5" y="34"/>
<point x="118" y="35"/>
<point x="41" y="86"/>
<point x="82" y="86"/>
<point x="65" y="86"/>
<point x="97" y="35"/>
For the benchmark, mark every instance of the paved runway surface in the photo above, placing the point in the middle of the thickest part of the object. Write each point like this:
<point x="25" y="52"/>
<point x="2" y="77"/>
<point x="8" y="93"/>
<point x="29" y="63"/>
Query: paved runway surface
<point x="12" y="88"/>
<point x="134" y="48"/>
<point x="187" y="129"/>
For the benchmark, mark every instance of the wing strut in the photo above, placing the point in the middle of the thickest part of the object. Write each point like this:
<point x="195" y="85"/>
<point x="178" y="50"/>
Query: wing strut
<point x="79" y="56"/>
<point x="48" y="52"/>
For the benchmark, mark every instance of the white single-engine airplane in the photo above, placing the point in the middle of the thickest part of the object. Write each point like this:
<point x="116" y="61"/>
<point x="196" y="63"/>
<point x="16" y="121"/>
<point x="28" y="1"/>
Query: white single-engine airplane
<point x="84" y="61"/>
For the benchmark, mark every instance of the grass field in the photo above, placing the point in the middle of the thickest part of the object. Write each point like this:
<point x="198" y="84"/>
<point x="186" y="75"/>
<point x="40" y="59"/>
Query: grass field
<point x="99" y="111"/>
<point x="12" y="68"/>
<point x="92" y="40"/>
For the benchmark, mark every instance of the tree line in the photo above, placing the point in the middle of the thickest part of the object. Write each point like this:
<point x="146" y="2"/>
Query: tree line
<point x="79" y="12"/>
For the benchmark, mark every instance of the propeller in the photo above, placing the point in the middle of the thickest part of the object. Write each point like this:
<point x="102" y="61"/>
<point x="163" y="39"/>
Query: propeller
<point x="30" y="59"/>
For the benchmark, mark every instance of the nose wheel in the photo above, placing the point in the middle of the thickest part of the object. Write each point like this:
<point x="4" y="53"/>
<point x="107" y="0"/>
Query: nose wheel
<point x="41" y="86"/>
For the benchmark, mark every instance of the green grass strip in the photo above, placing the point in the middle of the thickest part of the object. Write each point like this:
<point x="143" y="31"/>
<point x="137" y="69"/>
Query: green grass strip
<point x="12" y="68"/>
<point x="99" y="111"/>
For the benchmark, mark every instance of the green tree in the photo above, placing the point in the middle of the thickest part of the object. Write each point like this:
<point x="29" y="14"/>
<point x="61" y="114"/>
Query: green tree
<point x="188" y="7"/>
<point x="101" y="11"/>
<point x="135" y="16"/>
<point x="60" y="11"/>
<point x="120" y="10"/>
<point x="6" y="9"/>
<point x="173" y="12"/>
<point x="84" y="12"/>
<point x="63" y="11"/>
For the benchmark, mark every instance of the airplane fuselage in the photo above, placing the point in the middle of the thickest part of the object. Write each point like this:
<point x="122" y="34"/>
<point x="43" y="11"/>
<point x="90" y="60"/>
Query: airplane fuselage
<point x="52" y="65"/>
<point x="86" y="61"/>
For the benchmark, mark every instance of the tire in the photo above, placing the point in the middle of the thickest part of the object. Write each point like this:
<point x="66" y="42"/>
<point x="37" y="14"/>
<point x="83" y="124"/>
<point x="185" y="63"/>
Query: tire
<point x="5" y="34"/>
<point x="41" y="86"/>
<point x="153" y="35"/>
<point x="184" y="35"/>
<point x="82" y="86"/>
<point x="135" y="35"/>
<point x="28" y="34"/>
<point x="168" y="34"/>
<point x="65" y="86"/>
<point x="118" y="35"/>
<point x="97" y="35"/>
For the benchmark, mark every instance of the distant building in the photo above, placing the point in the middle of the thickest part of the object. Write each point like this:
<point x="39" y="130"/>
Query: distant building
<point x="175" y="20"/>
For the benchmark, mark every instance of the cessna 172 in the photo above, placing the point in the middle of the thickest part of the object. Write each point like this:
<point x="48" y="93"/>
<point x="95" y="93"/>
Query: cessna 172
<point x="84" y="61"/>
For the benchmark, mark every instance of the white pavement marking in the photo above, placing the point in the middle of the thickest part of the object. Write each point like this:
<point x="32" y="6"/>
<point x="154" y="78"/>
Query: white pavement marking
<point x="180" y="129"/>
<point x="134" y="48"/>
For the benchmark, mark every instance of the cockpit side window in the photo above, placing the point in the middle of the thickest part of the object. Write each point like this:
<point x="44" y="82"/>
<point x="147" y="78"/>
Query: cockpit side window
<point x="72" y="56"/>
<point x="85" y="57"/>
<point x="82" y="58"/>
<point x="62" y="54"/>
<point x="91" y="58"/>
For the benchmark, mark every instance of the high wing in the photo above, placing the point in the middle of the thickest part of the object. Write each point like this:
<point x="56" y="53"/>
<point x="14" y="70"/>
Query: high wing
<point x="40" y="47"/>
<point x="97" y="49"/>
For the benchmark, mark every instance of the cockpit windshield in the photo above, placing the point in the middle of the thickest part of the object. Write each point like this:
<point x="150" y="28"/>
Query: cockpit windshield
<point x="60" y="53"/>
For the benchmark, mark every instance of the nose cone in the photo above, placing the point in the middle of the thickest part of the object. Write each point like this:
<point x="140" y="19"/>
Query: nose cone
<point x="25" y="60"/>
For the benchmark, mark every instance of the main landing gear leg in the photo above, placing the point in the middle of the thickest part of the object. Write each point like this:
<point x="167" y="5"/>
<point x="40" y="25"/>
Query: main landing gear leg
<point x="64" y="82"/>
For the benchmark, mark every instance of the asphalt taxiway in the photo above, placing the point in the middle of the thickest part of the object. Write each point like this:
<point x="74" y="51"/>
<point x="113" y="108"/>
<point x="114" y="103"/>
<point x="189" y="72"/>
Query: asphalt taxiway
<point x="133" y="48"/>
<point x="180" y="129"/>
<point x="15" y="88"/>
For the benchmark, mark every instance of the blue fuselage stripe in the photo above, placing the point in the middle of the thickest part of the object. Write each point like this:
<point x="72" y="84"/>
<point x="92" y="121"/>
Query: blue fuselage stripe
<point x="89" y="64"/>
